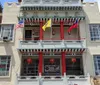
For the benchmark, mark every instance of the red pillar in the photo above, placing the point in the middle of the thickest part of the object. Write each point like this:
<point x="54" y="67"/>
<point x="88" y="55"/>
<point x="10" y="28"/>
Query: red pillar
<point x="40" y="63"/>
<point x="62" y="53"/>
<point x="63" y="63"/>
<point x="61" y="30"/>
<point x="41" y="30"/>
<point x="40" y="53"/>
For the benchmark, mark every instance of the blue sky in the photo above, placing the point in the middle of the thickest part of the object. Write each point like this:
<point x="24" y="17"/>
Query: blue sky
<point x="3" y="1"/>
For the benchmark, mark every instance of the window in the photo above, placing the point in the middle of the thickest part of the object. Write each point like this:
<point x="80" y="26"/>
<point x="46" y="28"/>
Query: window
<point x="94" y="32"/>
<point x="52" y="68"/>
<point x="97" y="64"/>
<point x="4" y="65"/>
<point x="74" y="68"/>
<point x="6" y="32"/>
<point x="29" y="69"/>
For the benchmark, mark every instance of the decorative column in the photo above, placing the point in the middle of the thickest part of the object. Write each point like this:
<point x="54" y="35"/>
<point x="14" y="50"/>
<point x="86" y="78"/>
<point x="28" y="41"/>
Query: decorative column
<point x="61" y="30"/>
<point x="41" y="30"/>
<point x="40" y="53"/>
<point x="62" y="53"/>
<point x="63" y="63"/>
<point x="40" y="63"/>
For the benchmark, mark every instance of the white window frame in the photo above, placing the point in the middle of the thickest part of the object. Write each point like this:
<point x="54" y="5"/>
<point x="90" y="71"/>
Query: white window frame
<point x="5" y="27"/>
<point x="94" y="32"/>
<point x="96" y="65"/>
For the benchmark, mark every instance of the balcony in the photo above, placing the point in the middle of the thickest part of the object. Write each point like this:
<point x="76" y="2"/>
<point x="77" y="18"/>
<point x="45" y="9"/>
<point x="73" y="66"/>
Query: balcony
<point x="54" y="80"/>
<point x="52" y="44"/>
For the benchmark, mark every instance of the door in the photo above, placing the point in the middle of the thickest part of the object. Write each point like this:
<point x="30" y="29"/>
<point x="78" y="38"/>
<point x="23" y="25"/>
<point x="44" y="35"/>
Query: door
<point x="28" y="34"/>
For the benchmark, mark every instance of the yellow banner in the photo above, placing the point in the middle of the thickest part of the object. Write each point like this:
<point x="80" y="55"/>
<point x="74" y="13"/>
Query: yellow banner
<point x="47" y="25"/>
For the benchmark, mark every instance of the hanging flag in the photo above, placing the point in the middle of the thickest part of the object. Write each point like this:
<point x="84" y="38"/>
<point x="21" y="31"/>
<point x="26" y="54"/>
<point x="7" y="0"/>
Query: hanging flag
<point x="20" y="24"/>
<point x="75" y="25"/>
<point x="47" y="25"/>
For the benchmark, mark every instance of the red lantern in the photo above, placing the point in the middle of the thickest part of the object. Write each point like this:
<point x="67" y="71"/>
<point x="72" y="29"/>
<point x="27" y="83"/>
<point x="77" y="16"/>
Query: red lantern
<point x="73" y="60"/>
<point x="52" y="60"/>
<point x="29" y="60"/>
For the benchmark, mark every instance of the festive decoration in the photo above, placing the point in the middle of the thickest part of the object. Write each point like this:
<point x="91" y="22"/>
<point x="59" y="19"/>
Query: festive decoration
<point x="75" y="25"/>
<point x="73" y="60"/>
<point x="29" y="60"/>
<point x="52" y="60"/>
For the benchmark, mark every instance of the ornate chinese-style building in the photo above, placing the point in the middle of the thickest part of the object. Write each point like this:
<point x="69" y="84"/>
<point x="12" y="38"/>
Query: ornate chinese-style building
<point x="31" y="56"/>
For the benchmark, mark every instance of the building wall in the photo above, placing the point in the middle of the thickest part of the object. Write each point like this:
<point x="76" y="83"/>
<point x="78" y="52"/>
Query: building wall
<point x="92" y="13"/>
<point x="10" y="14"/>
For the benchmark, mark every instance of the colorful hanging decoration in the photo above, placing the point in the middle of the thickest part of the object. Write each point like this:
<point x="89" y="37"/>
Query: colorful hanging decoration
<point x="29" y="60"/>
<point x="52" y="60"/>
<point x="73" y="60"/>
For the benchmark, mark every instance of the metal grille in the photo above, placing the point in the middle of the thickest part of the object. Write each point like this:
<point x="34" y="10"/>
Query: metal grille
<point x="73" y="68"/>
<point x="29" y="69"/>
<point x="4" y="65"/>
<point x="51" y="68"/>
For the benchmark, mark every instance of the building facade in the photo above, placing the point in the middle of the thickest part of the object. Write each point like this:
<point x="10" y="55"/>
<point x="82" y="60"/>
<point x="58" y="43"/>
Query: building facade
<point x="30" y="55"/>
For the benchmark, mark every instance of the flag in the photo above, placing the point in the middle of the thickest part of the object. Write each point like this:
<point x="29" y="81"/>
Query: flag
<point x="75" y="25"/>
<point x="20" y="24"/>
<point x="47" y="25"/>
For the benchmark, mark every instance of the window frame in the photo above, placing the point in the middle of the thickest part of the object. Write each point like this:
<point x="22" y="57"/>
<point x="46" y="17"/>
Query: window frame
<point x="12" y="26"/>
<point x="97" y="67"/>
<point x="9" y="73"/>
<point x="94" y="31"/>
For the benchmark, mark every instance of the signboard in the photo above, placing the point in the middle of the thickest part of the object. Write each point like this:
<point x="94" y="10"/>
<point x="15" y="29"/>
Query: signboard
<point x="51" y="68"/>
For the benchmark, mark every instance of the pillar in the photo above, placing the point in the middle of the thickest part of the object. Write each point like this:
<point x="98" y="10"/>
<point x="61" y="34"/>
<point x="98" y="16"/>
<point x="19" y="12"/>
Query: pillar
<point x="40" y="63"/>
<point x="61" y="30"/>
<point x="41" y="30"/>
<point x="63" y="63"/>
<point x="40" y="53"/>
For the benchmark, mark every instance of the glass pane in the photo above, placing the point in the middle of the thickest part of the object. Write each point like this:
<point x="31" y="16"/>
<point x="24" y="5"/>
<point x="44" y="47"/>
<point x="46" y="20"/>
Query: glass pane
<point x="4" y="66"/>
<point x="29" y="69"/>
<point x="52" y="68"/>
<point x="95" y="31"/>
<point x="97" y="64"/>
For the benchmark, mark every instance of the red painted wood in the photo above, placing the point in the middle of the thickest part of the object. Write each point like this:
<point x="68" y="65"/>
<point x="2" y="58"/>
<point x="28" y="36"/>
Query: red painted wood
<point x="41" y="30"/>
<point x="61" y="30"/>
<point x="63" y="63"/>
<point x="40" y="62"/>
